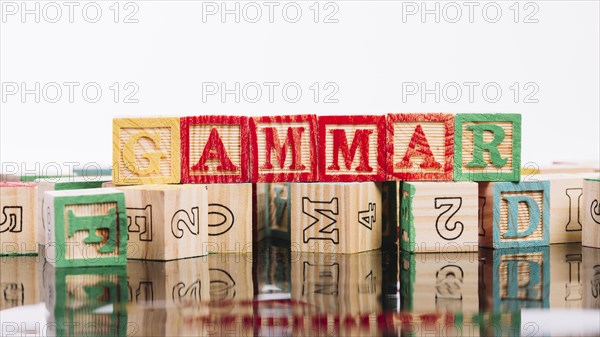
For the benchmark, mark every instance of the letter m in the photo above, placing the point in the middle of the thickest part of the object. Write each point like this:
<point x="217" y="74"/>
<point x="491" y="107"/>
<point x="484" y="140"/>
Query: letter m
<point x="324" y="215"/>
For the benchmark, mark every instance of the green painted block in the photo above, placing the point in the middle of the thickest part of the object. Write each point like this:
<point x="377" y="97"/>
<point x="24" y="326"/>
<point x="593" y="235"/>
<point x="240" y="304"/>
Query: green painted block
<point x="407" y="221"/>
<point x="79" y="298"/>
<point x="85" y="227"/>
<point x="487" y="147"/>
<point x="515" y="278"/>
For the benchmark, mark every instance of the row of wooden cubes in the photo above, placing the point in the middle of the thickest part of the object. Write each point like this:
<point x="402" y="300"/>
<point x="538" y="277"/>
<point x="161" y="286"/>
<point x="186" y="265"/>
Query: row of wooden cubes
<point x="309" y="148"/>
<point x="163" y="222"/>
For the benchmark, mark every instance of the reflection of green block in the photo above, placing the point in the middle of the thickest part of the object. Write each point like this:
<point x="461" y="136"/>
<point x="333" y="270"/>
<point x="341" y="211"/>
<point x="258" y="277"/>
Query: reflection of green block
<point x="89" y="301"/>
<point x="85" y="227"/>
<point x="487" y="147"/>
<point x="515" y="278"/>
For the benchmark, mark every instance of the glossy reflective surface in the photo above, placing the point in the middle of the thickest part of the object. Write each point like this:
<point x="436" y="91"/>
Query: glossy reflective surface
<point x="274" y="292"/>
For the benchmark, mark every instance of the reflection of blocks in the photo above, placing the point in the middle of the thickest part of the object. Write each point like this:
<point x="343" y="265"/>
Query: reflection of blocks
<point x="337" y="283"/>
<point x="18" y="218"/>
<point x="591" y="211"/>
<point x="514" y="214"/>
<point x="19" y="281"/>
<point x="438" y="217"/>
<point x="336" y="217"/>
<point x="591" y="278"/>
<point x="278" y="210"/>
<point x="565" y="272"/>
<point x="514" y="279"/>
<point x="440" y="282"/>
<point x="283" y="148"/>
<point x="146" y="151"/>
<point x="420" y="146"/>
<point x="166" y="222"/>
<point x="229" y="218"/>
<point x="79" y="299"/>
<point x="214" y="149"/>
<point x="60" y="184"/>
<point x="86" y="227"/>
<point x="351" y="148"/>
<point x="487" y="147"/>
<point x="171" y="291"/>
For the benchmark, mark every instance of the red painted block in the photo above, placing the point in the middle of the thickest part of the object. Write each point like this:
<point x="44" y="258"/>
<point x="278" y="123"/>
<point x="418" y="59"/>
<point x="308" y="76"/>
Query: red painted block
<point x="214" y="149"/>
<point x="420" y="146"/>
<point x="283" y="148"/>
<point x="351" y="148"/>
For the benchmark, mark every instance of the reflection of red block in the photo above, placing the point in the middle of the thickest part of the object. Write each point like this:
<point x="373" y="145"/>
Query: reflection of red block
<point x="420" y="146"/>
<point x="214" y="149"/>
<point x="283" y="148"/>
<point x="351" y="148"/>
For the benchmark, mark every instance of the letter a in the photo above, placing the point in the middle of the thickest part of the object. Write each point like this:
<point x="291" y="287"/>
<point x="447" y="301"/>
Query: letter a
<point x="419" y="140"/>
<point x="214" y="149"/>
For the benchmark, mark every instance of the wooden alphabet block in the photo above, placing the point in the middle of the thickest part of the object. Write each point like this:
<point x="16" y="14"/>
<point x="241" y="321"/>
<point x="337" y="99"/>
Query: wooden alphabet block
<point x="146" y="151"/>
<point x="439" y="282"/>
<point x="340" y="284"/>
<point x="336" y="217"/>
<point x="19" y="281"/>
<point x="514" y="214"/>
<point x="512" y="279"/>
<point x="84" y="301"/>
<point x="420" y="146"/>
<point x="229" y="218"/>
<point x="438" y="217"/>
<point x="351" y="148"/>
<point x="591" y="210"/>
<point x="86" y="227"/>
<point x="278" y="210"/>
<point x="166" y="222"/>
<point x="214" y="149"/>
<point x="566" y="211"/>
<point x="61" y="184"/>
<point x="487" y="147"/>
<point x="566" y="273"/>
<point x="591" y="278"/>
<point x="18" y="221"/>
<point x="283" y="148"/>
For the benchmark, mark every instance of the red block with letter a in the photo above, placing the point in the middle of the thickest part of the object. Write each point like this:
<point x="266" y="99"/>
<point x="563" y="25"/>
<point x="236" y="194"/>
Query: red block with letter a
<point x="214" y="149"/>
<point x="420" y="146"/>
<point x="283" y="148"/>
<point x="351" y="148"/>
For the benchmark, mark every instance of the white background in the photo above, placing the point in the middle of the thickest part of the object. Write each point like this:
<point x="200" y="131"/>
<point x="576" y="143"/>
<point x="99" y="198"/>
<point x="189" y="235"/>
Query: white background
<point x="372" y="55"/>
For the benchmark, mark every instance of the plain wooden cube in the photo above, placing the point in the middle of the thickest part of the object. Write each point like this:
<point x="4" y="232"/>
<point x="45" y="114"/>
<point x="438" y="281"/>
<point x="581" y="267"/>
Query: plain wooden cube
<point x="487" y="147"/>
<point x="166" y="222"/>
<point x="439" y="282"/>
<point x="514" y="278"/>
<point x="86" y="301"/>
<point x="339" y="284"/>
<point x="19" y="281"/>
<point x="146" y="151"/>
<point x="438" y="216"/>
<point x="566" y="272"/>
<point x="336" y="217"/>
<point x="591" y="278"/>
<point x="18" y="221"/>
<point x="420" y="146"/>
<point x="283" y="148"/>
<point x="514" y="214"/>
<point x="591" y="210"/>
<point x="86" y="227"/>
<point x="61" y="184"/>
<point x="230" y="218"/>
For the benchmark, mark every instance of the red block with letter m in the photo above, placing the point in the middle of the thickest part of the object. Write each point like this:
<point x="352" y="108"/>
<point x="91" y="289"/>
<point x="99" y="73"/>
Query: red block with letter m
<point x="283" y="148"/>
<point x="214" y="149"/>
<point x="351" y="148"/>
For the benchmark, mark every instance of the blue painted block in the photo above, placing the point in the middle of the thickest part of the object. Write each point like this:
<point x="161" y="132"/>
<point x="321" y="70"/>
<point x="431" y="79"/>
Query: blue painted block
<point x="514" y="215"/>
